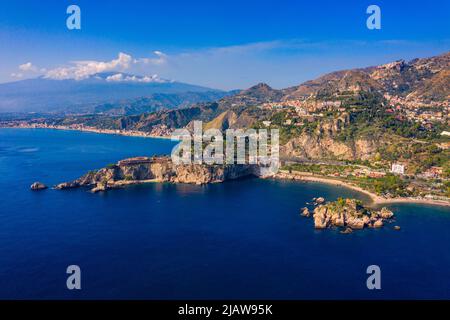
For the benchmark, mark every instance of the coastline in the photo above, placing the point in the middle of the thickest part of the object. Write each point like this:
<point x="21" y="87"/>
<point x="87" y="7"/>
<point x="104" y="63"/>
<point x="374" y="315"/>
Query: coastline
<point x="376" y="200"/>
<point x="138" y="134"/>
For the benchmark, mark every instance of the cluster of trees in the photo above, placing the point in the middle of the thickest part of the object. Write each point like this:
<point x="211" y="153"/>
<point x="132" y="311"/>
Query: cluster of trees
<point x="390" y="183"/>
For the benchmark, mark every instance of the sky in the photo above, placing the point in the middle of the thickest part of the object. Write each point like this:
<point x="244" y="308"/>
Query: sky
<point x="220" y="44"/>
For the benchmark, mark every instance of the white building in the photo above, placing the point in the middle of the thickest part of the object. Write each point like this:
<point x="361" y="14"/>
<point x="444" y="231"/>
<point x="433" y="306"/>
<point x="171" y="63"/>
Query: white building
<point x="398" y="168"/>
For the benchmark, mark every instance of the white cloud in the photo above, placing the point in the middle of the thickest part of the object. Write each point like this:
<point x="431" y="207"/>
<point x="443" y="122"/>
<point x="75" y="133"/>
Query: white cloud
<point x="23" y="69"/>
<point x="119" y="77"/>
<point x="160" y="59"/>
<point x="116" y="77"/>
<point x="28" y="67"/>
<point x="80" y="70"/>
<point x="83" y="69"/>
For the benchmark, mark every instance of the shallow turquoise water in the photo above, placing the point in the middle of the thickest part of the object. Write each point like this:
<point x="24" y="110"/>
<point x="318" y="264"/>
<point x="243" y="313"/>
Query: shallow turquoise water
<point x="239" y="239"/>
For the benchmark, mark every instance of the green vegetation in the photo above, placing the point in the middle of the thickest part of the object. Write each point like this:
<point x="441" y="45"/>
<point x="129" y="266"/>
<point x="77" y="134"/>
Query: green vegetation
<point x="389" y="184"/>
<point x="320" y="169"/>
<point x="447" y="188"/>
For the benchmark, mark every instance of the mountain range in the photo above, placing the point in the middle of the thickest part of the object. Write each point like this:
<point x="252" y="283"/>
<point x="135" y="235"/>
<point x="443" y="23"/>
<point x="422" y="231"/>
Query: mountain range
<point x="427" y="79"/>
<point x="110" y="93"/>
<point x="422" y="81"/>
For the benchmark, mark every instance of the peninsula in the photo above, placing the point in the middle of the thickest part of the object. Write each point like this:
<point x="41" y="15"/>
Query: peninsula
<point x="140" y="170"/>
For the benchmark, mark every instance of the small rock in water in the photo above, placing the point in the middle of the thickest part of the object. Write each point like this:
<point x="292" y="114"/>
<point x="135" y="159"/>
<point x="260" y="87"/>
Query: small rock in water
<point x="304" y="212"/>
<point x="378" y="223"/>
<point x="347" y="231"/>
<point x="38" y="186"/>
<point x="396" y="227"/>
<point x="319" y="200"/>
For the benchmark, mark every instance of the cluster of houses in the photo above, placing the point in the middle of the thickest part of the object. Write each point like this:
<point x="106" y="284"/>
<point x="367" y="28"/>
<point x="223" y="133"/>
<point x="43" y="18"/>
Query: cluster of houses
<point x="434" y="172"/>
<point x="419" y="111"/>
<point x="396" y="168"/>
<point x="302" y="110"/>
<point x="304" y="107"/>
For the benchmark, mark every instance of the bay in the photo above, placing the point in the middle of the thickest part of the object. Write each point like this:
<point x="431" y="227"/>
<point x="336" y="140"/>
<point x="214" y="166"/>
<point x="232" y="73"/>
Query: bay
<point x="241" y="239"/>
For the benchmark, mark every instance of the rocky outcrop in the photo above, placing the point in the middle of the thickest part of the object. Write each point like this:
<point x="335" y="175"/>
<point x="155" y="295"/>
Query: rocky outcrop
<point x="349" y="214"/>
<point x="386" y="213"/>
<point x="36" y="186"/>
<point x="305" y="212"/>
<point x="321" y="217"/>
<point x="323" y="143"/>
<point x="319" y="200"/>
<point x="158" y="169"/>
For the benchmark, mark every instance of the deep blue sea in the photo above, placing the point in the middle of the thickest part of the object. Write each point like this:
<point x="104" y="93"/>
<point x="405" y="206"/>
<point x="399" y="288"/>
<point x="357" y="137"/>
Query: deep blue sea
<point x="237" y="240"/>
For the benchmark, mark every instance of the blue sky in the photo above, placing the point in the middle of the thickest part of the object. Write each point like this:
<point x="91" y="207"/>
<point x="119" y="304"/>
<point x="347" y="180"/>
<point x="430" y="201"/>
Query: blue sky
<point x="221" y="44"/>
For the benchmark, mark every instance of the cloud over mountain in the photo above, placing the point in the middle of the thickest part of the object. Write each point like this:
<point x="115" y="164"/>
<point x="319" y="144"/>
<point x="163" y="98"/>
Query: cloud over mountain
<point x="83" y="69"/>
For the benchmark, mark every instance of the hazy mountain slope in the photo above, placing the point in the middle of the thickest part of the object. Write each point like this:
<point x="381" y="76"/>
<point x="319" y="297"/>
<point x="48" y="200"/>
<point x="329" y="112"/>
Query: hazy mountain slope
<point x="156" y="102"/>
<point x="47" y="95"/>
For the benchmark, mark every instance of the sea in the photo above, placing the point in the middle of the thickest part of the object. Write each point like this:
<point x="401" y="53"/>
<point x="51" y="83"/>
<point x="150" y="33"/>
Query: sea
<point x="242" y="239"/>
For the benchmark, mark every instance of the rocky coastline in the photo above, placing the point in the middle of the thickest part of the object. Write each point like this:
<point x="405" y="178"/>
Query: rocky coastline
<point x="347" y="215"/>
<point x="140" y="170"/>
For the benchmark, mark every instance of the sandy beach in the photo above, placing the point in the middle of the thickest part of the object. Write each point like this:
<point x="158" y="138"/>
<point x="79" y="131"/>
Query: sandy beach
<point x="376" y="200"/>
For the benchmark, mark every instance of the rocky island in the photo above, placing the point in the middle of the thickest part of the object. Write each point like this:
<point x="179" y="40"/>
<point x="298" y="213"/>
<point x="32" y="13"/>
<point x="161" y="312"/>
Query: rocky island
<point x="36" y="186"/>
<point x="139" y="170"/>
<point x="348" y="214"/>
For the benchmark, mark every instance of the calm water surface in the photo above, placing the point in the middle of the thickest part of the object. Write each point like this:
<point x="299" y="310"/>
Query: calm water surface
<point x="239" y="239"/>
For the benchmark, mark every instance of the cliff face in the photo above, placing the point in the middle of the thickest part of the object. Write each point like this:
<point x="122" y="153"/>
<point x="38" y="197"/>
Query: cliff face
<point x="202" y="174"/>
<point x="323" y="143"/>
<point x="314" y="147"/>
<point x="160" y="169"/>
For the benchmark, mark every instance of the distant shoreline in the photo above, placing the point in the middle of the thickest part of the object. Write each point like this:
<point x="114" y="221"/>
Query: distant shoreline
<point x="376" y="200"/>
<point x="138" y="134"/>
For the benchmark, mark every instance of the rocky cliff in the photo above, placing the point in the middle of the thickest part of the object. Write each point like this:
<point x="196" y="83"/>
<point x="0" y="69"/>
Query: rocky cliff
<point x="323" y="143"/>
<point x="157" y="169"/>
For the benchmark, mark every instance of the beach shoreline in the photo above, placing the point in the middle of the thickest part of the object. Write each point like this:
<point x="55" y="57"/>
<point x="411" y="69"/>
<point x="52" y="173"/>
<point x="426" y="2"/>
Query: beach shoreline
<point x="136" y="134"/>
<point x="376" y="200"/>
